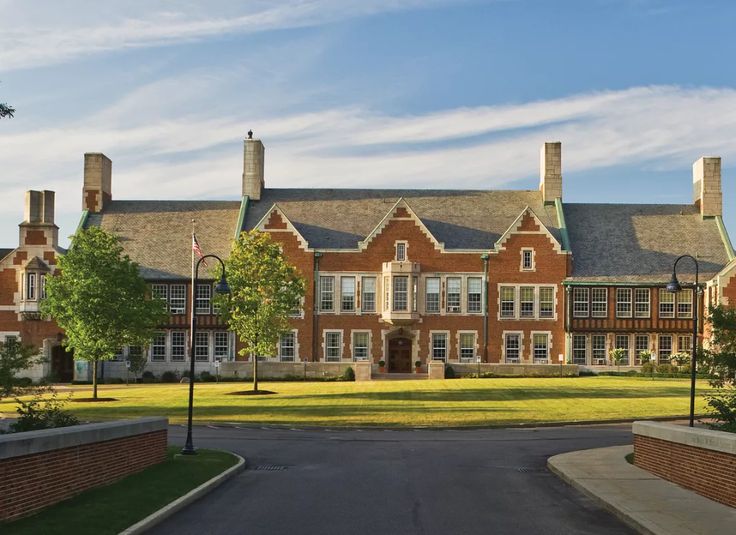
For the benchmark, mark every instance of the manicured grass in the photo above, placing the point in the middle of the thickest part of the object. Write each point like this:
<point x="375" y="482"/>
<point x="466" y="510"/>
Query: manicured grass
<point x="116" y="507"/>
<point x="456" y="402"/>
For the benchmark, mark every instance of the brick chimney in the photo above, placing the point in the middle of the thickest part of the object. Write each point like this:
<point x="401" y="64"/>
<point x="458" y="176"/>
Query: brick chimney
<point x="550" y="171"/>
<point x="253" y="162"/>
<point x="38" y="226"/>
<point x="707" y="193"/>
<point x="97" y="190"/>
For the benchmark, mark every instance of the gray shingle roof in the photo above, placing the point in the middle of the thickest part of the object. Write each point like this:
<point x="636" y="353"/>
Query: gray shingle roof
<point x="462" y="219"/>
<point x="5" y="252"/>
<point x="640" y="242"/>
<point x="157" y="234"/>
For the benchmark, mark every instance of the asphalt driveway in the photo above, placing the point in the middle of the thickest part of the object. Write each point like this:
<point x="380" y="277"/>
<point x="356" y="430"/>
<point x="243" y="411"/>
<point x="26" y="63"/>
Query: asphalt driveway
<point x="426" y="482"/>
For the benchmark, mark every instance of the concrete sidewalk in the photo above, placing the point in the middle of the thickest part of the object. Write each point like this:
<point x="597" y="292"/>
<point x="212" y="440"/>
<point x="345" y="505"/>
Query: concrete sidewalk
<point x="646" y="502"/>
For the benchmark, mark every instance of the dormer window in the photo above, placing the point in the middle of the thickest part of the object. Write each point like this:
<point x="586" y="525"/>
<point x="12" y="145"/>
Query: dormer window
<point x="527" y="259"/>
<point x="400" y="251"/>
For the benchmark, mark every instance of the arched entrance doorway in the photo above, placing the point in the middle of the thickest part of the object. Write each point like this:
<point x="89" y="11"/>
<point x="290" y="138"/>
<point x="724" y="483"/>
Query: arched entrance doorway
<point x="399" y="355"/>
<point x="62" y="364"/>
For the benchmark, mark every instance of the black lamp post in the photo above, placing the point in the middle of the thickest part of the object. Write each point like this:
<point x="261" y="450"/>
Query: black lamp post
<point x="674" y="286"/>
<point x="221" y="288"/>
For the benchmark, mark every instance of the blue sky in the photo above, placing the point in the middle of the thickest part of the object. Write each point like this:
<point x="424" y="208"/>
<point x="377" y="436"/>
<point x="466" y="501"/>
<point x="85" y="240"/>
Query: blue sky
<point x="349" y="93"/>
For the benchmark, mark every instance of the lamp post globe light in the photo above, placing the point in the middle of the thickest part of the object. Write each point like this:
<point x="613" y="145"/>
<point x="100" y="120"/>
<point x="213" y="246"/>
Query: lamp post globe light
<point x="674" y="286"/>
<point x="223" y="289"/>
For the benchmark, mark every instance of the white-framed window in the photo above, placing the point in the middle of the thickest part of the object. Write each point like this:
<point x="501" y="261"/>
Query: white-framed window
<point x="439" y="346"/>
<point x="368" y="287"/>
<point x="475" y="294"/>
<point x="177" y="298"/>
<point x="401" y="293"/>
<point x="685" y="304"/>
<point x="598" y="348"/>
<point x="623" y="302"/>
<point x="665" y="348"/>
<point x="540" y="348"/>
<point x="641" y="344"/>
<point x="512" y="347"/>
<point x="508" y="301"/>
<point x="158" y="347"/>
<point x="580" y="302"/>
<point x="327" y="293"/>
<point x="287" y="347"/>
<point x="666" y="304"/>
<point x="222" y="345"/>
<point x="546" y="302"/>
<point x="203" y="298"/>
<point x="526" y="301"/>
<point x="333" y="346"/>
<point x="467" y="346"/>
<point x="579" y="349"/>
<point x="527" y="259"/>
<point x="685" y="343"/>
<point x="202" y="346"/>
<point x="30" y="286"/>
<point x="641" y="303"/>
<point x="622" y="342"/>
<point x="178" y="345"/>
<point x="160" y="291"/>
<point x="347" y="294"/>
<point x="361" y="342"/>
<point x="599" y="302"/>
<point x="42" y="285"/>
<point x="400" y="251"/>
<point x="432" y="300"/>
<point x="454" y="285"/>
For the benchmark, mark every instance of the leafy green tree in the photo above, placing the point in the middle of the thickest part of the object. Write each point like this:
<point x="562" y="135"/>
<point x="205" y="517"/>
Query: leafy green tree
<point x="6" y="111"/>
<point x="265" y="290"/>
<point x="617" y="356"/>
<point x="14" y="357"/>
<point x="138" y="361"/>
<point x="100" y="300"/>
<point x="719" y="363"/>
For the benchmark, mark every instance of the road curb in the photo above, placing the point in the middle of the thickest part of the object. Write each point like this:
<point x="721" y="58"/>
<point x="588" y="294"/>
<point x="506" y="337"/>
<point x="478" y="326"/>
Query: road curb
<point x="191" y="496"/>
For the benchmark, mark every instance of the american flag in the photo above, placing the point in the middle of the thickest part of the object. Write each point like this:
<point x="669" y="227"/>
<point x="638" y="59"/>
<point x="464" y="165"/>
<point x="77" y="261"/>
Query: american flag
<point x="197" y="249"/>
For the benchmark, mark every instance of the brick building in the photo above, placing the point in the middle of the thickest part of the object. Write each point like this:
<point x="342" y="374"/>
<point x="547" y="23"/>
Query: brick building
<point x="504" y="276"/>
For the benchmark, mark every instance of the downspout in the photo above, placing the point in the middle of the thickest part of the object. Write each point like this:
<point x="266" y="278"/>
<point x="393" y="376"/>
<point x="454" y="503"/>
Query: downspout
<point x="485" y="307"/>
<point x="315" y="307"/>
<point x="568" y="324"/>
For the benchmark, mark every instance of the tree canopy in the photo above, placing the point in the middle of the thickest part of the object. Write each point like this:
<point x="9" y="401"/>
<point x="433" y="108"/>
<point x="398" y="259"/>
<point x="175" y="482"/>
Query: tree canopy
<point x="265" y="290"/>
<point x="100" y="300"/>
<point x="719" y="362"/>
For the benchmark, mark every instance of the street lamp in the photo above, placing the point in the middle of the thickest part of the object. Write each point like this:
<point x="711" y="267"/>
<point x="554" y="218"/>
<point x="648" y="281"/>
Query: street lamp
<point x="674" y="286"/>
<point x="221" y="288"/>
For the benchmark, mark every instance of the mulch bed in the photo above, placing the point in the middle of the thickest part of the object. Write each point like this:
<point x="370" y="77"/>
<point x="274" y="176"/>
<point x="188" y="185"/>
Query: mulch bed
<point x="92" y="400"/>
<point x="251" y="393"/>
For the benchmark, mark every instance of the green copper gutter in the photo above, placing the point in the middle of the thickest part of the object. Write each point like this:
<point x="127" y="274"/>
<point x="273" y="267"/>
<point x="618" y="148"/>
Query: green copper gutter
<point x="563" y="226"/>
<point x="82" y="221"/>
<point x="623" y="284"/>
<point x="725" y="238"/>
<point x="241" y="216"/>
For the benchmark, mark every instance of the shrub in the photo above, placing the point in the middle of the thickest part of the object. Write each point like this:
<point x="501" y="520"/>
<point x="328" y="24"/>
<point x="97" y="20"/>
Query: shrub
<point x="42" y="413"/>
<point x="22" y="382"/>
<point x="648" y="367"/>
<point x="666" y="369"/>
<point x="185" y="373"/>
<point x="418" y="364"/>
<point x="645" y="357"/>
<point x="207" y="377"/>
<point x="167" y="377"/>
<point x="381" y="363"/>
<point x="584" y="372"/>
<point x="148" y="377"/>
<point x="349" y="374"/>
<point x="449" y="372"/>
<point x="723" y="409"/>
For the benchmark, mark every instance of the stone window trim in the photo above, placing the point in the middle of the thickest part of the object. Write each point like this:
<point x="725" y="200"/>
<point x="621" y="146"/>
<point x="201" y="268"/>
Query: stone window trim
<point x="537" y="316"/>
<point x="476" y="348"/>
<point x="369" y="354"/>
<point x="283" y="356"/>
<point x="34" y="285"/>
<point x="453" y="300"/>
<point x="368" y="305"/>
<point x="325" y="348"/>
<point x="474" y="299"/>
<point x="432" y="346"/>
<point x="326" y="293"/>
<point x="527" y="260"/>
<point x="401" y="251"/>
<point x="532" y="349"/>
<point x="504" y="339"/>
<point x="348" y="297"/>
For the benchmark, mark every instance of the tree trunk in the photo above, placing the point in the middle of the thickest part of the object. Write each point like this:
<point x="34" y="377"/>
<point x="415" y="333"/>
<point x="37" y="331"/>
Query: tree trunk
<point x="94" y="379"/>
<point x="255" y="373"/>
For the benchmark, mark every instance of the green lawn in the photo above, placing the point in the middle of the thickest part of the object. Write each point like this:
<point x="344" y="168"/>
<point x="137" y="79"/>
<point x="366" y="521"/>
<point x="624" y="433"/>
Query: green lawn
<point x="111" y="509"/>
<point x="457" y="402"/>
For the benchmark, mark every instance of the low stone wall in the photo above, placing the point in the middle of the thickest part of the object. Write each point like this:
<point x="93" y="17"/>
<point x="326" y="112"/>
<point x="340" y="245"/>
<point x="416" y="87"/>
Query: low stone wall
<point x="282" y="370"/>
<point x="516" y="370"/>
<point x="698" y="459"/>
<point x="40" y="468"/>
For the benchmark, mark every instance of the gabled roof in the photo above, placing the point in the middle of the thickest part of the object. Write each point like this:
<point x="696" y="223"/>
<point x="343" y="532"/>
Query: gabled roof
<point x="516" y="226"/>
<point x="157" y="234"/>
<point x="37" y="264"/>
<point x="342" y="218"/>
<point x="640" y="242"/>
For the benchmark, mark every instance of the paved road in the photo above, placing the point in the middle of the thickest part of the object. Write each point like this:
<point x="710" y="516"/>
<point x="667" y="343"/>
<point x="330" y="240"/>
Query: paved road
<point x="423" y="482"/>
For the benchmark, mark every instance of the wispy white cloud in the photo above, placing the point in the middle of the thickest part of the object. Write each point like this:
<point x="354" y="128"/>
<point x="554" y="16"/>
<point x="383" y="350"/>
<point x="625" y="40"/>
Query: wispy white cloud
<point x="43" y="33"/>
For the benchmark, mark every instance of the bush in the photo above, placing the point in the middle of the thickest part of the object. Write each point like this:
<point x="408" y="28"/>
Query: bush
<point x="666" y="369"/>
<point x="114" y="381"/>
<point x="648" y="368"/>
<point x="723" y="407"/>
<point x="586" y="373"/>
<point x="22" y="382"/>
<point x="42" y="413"/>
<point x="148" y="377"/>
<point x="167" y="377"/>
<point x="207" y="377"/>
<point x="349" y="374"/>
<point x="449" y="372"/>
<point x="185" y="373"/>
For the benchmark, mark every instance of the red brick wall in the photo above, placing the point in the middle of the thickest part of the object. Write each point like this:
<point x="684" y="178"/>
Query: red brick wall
<point x="729" y="291"/>
<point x="707" y="472"/>
<point x="31" y="482"/>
